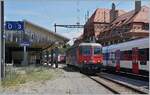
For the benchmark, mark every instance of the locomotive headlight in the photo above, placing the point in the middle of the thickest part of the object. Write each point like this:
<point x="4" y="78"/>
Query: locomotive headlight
<point x="99" y="61"/>
<point x="84" y="61"/>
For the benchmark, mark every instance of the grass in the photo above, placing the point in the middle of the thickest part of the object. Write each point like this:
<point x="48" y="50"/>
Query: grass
<point x="21" y="75"/>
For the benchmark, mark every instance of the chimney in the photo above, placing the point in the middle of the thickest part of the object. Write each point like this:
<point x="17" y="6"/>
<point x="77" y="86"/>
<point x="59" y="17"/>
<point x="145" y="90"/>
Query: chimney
<point x="137" y="5"/>
<point x="113" y="13"/>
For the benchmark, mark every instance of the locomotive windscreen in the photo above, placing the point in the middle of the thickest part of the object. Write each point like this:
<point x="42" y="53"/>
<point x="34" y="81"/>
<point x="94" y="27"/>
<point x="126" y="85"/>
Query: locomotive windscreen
<point x="97" y="50"/>
<point x="85" y="50"/>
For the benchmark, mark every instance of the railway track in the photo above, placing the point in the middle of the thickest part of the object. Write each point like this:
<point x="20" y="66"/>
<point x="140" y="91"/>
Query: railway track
<point x="130" y="75"/>
<point x="115" y="86"/>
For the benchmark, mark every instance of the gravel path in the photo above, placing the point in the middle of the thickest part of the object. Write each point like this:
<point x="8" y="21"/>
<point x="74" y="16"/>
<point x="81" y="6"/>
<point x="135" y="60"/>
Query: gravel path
<point x="68" y="83"/>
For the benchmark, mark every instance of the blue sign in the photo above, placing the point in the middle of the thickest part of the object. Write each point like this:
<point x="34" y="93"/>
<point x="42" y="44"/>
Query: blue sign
<point x="14" y="25"/>
<point x="25" y="44"/>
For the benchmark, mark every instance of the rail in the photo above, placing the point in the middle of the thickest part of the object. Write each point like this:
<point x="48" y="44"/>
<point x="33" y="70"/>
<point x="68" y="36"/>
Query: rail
<point x="115" y="86"/>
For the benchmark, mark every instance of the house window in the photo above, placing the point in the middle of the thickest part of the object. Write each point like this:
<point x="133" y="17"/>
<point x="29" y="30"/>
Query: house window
<point x="32" y="35"/>
<point x="134" y="27"/>
<point x="146" y="26"/>
<point x="138" y="28"/>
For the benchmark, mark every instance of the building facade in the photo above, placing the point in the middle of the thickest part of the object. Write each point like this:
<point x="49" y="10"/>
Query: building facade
<point x="97" y="23"/>
<point x="128" y="26"/>
<point x="110" y="26"/>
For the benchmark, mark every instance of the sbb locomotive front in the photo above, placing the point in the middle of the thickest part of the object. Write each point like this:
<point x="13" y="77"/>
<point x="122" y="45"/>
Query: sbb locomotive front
<point x="86" y="56"/>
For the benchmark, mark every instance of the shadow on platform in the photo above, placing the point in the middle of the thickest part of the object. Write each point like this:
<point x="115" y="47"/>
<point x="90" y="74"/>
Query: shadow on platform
<point x="71" y="69"/>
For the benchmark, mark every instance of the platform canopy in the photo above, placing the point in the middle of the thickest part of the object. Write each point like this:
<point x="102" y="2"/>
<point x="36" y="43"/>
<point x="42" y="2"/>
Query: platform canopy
<point x="34" y="35"/>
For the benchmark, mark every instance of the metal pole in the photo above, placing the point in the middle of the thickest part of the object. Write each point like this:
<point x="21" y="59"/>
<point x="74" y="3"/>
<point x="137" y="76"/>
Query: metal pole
<point x="56" y="54"/>
<point x="3" y="41"/>
<point x="0" y="40"/>
<point x="24" y="56"/>
<point x="25" y="61"/>
<point x="55" y="27"/>
<point x="52" y="57"/>
<point x="2" y="46"/>
<point x="47" y="56"/>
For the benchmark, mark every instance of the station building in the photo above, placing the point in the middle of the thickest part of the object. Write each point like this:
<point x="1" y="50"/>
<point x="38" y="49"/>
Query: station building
<point x="40" y="40"/>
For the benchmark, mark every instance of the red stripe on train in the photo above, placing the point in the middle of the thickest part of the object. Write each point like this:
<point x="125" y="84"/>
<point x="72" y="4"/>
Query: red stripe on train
<point x="135" y="55"/>
<point x="117" y="60"/>
<point x="135" y="68"/>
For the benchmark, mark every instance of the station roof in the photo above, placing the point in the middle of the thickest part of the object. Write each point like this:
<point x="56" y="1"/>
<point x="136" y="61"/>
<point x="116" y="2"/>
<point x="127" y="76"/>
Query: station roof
<point x="65" y="39"/>
<point x="37" y="36"/>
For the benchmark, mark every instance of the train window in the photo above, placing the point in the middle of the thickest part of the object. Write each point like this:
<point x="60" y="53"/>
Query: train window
<point x="144" y="54"/>
<point x="112" y="56"/>
<point x="85" y="50"/>
<point x="121" y="55"/>
<point x="143" y="62"/>
<point x="147" y="54"/>
<point x="106" y="56"/>
<point x="97" y="50"/>
<point x="126" y="55"/>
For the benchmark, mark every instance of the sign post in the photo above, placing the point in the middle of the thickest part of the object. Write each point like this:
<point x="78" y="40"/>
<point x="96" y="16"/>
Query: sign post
<point x="19" y="26"/>
<point x="25" y="56"/>
<point x="24" y="44"/>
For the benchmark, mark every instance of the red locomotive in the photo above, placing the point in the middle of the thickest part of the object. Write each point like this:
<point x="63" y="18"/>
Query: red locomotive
<point x="86" y="56"/>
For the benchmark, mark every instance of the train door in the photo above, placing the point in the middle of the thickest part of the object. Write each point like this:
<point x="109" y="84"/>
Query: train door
<point x="117" y="53"/>
<point x="143" y="61"/>
<point x="135" y="55"/>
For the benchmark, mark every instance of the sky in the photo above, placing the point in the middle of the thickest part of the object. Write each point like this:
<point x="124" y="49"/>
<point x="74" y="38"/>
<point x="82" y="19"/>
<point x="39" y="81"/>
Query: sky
<point x="48" y="12"/>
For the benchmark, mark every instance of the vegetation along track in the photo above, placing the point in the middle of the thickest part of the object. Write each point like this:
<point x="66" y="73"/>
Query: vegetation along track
<point x="115" y="86"/>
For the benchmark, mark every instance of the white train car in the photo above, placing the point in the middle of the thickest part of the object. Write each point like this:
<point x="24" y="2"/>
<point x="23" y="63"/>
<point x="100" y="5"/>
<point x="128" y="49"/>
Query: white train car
<point x="131" y="57"/>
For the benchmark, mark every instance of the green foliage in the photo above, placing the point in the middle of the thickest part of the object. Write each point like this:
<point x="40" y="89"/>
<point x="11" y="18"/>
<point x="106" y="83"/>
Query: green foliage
<point x="65" y="47"/>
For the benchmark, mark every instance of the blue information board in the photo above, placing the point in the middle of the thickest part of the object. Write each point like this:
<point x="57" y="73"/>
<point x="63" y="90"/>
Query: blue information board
<point x="25" y="43"/>
<point x="14" y="25"/>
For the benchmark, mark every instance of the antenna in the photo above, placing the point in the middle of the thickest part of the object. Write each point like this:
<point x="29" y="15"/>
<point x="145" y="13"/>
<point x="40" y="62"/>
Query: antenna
<point x="78" y="15"/>
<point x="78" y="12"/>
<point x="86" y="16"/>
<point x="113" y="1"/>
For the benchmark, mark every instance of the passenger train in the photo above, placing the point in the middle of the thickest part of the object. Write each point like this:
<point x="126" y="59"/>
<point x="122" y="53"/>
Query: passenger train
<point x="131" y="57"/>
<point x="86" y="56"/>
